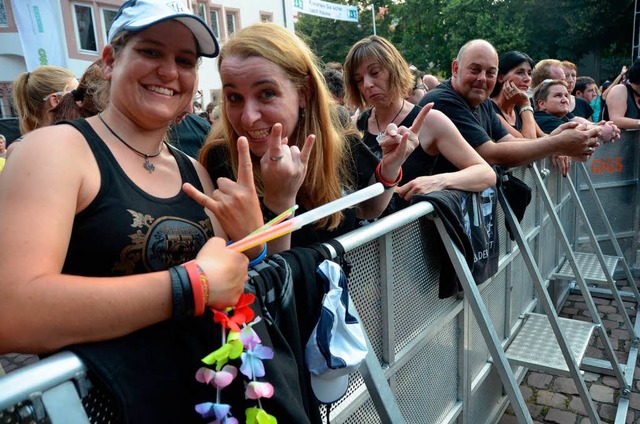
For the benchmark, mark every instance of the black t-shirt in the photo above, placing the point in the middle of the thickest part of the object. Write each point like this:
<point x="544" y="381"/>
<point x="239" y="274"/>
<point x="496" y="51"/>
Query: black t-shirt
<point x="477" y="126"/>
<point x="582" y="109"/>
<point x="189" y="135"/>
<point x="518" y="125"/>
<point x="548" y="122"/>
<point x="418" y="164"/>
<point x="362" y="166"/>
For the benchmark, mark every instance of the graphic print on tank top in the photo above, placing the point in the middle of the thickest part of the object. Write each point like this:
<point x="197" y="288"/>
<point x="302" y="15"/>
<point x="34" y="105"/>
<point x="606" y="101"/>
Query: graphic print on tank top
<point x="162" y="243"/>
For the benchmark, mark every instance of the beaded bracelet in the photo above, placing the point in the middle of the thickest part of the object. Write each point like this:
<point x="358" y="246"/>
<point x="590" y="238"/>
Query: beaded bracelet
<point x="384" y="182"/>
<point x="199" y="285"/>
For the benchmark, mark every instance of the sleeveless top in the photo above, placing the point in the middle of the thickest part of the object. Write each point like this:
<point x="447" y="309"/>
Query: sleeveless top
<point x="632" y="108"/>
<point x="125" y="230"/>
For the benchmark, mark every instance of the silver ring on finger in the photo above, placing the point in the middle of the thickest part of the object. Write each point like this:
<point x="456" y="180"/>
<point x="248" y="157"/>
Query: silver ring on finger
<point x="276" y="159"/>
<point x="591" y="149"/>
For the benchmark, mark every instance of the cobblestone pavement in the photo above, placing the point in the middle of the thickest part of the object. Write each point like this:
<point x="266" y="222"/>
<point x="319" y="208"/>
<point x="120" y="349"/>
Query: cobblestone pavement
<point x="550" y="398"/>
<point x="555" y="399"/>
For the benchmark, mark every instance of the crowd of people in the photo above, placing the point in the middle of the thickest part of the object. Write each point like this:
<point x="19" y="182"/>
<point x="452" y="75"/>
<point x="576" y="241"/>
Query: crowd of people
<point x="128" y="198"/>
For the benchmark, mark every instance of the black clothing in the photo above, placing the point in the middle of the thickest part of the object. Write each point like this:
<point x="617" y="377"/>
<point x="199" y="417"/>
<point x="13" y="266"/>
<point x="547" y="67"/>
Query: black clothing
<point x="548" y="122"/>
<point x="448" y="206"/>
<point x="418" y="164"/>
<point x="125" y="230"/>
<point x="582" y="109"/>
<point x="152" y="372"/>
<point x="362" y="166"/>
<point x="477" y="125"/>
<point x="190" y="134"/>
<point x="516" y="108"/>
<point x="633" y="111"/>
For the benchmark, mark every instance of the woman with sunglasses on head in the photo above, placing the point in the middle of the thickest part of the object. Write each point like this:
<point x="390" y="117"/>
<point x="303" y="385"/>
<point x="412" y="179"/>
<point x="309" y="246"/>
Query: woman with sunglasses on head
<point x="103" y="252"/>
<point x="36" y="93"/>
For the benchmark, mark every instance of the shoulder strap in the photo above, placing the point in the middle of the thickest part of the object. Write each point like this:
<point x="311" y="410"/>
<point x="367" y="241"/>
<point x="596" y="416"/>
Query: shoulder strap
<point x="187" y="169"/>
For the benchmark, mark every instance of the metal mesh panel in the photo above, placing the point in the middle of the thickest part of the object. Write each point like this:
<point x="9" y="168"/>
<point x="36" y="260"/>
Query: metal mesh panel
<point x="99" y="406"/>
<point x="619" y="204"/>
<point x="485" y="398"/>
<point x="501" y="228"/>
<point x="551" y="184"/>
<point x="366" y="413"/>
<point x="493" y="297"/>
<point x="356" y="383"/>
<point x="416" y="274"/>
<point x="522" y="289"/>
<point x="427" y="385"/>
<point x="364" y="288"/>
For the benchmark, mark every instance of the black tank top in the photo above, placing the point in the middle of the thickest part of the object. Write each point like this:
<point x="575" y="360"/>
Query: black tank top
<point x="633" y="111"/>
<point x="125" y="230"/>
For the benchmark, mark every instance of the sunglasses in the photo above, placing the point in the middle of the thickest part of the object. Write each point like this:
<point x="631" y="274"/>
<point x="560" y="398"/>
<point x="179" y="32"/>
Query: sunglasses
<point x="57" y="94"/>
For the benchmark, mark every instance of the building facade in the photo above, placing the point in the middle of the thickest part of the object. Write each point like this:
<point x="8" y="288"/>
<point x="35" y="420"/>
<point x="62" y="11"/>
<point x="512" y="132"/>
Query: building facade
<point x="83" y="25"/>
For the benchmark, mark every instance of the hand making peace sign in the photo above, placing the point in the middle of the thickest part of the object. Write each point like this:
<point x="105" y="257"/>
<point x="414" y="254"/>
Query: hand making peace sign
<point x="283" y="169"/>
<point x="235" y="204"/>
<point x="399" y="142"/>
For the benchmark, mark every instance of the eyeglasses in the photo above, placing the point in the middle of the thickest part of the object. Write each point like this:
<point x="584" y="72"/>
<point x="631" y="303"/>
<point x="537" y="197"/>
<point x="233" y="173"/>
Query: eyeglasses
<point x="57" y="94"/>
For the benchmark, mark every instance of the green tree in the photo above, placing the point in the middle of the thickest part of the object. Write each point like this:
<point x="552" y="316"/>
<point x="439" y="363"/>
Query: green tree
<point x="429" y="33"/>
<point x="332" y="39"/>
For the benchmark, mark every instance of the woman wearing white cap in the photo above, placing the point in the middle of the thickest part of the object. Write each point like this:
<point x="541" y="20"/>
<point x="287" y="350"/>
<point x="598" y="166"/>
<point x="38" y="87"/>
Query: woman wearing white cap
<point x="98" y="238"/>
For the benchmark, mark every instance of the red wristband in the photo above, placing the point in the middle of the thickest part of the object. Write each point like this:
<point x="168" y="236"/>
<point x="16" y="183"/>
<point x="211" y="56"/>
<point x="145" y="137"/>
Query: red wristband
<point x="199" y="285"/>
<point x="384" y="182"/>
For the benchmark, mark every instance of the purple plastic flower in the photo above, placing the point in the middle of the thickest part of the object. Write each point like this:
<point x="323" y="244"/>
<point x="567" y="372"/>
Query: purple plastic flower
<point x="252" y="361"/>
<point x="249" y="337"/>
<point x="210" y="410"/>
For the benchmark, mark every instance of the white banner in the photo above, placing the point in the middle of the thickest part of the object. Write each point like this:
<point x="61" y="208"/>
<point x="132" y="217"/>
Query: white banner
<point x="39" y="34"/>
<point x="327" y="10"/>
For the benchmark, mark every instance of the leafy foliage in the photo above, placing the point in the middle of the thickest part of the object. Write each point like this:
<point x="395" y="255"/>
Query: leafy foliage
<point x="429" y="33"/>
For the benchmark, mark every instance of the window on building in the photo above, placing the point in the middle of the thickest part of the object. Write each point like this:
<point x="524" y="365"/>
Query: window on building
<point x="266" y="17"/>
<point x="233" y="21"/>
<point x="214" y="14"/>
<point x="108" y="15"/>
<point x="4" y="19"/>
<point x="91" y="21"/>
<point x="83" y="20"/>
<point x="202" y="11"/>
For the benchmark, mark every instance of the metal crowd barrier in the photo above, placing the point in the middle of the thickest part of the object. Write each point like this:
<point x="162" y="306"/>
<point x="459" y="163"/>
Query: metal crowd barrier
<point x="430" y="362"/>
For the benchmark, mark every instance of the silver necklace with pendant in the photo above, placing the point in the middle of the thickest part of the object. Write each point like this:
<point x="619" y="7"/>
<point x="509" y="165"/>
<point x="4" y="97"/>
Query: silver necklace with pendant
<point x="380" y="135"/>
<point x="147" y="163"/>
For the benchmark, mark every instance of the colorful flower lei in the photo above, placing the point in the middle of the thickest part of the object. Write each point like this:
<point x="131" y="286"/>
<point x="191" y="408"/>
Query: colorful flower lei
<point x="242" y="342"/>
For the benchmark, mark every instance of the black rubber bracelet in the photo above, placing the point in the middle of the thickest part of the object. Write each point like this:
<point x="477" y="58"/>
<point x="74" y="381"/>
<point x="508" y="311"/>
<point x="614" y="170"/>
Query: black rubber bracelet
<point x="187" y="291"/>
<point x="178" y="313"/>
